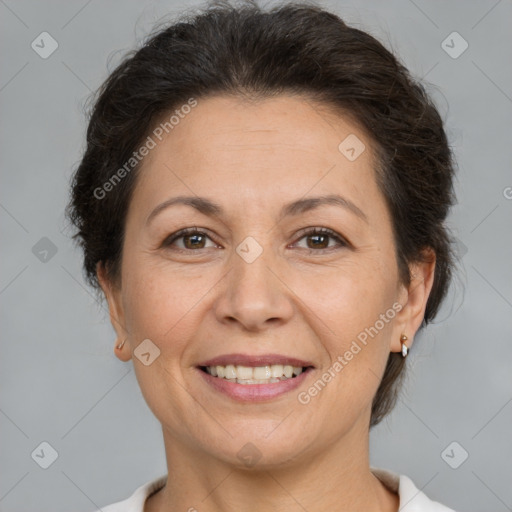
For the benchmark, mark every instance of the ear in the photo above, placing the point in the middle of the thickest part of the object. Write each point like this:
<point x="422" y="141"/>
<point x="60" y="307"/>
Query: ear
<point x="413" y="299"/>
<point x="116" y="310"/>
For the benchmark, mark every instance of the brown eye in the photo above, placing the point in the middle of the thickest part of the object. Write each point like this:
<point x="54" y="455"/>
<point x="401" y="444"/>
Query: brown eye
<point x="319" y="239"/>
<point x="191" y="239"/>
<point x="194" y="241"/>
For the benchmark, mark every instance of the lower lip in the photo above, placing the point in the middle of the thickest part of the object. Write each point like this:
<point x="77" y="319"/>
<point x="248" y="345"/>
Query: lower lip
<point x="254" y="392"/>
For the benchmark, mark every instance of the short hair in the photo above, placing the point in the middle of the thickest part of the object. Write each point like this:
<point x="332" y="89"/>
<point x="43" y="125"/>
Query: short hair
<point x="250" y="52"/>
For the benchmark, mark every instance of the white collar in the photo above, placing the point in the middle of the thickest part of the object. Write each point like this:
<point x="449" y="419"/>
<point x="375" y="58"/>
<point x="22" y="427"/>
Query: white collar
<point x="411" y="498"/>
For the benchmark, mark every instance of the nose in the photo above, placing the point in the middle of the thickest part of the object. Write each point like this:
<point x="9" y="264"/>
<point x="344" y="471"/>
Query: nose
<point x="254" y="293"/>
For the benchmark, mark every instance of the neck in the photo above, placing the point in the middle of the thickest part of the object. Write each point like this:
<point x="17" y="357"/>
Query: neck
<point x="338" y="478"/>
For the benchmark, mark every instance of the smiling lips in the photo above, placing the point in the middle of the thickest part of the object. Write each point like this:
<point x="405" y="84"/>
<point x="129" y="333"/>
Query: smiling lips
<point x="246" y="377"/>
<point x="254" y="375"/>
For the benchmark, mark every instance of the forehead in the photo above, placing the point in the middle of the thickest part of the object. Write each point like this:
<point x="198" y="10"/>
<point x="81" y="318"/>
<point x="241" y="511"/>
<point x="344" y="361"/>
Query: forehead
<point x="239" y="150"/>
<point x="285" y="123"/>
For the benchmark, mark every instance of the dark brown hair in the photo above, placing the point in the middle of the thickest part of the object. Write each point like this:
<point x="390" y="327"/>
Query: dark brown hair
<point x="247" y="51"/>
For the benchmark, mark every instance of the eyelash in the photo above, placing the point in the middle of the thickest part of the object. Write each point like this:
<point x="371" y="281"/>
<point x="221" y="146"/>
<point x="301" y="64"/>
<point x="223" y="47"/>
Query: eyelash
<point x="312" y="232"/>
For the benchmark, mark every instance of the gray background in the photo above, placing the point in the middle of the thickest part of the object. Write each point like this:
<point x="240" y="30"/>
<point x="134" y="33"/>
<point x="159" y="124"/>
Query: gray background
<point x="59" y="379"/>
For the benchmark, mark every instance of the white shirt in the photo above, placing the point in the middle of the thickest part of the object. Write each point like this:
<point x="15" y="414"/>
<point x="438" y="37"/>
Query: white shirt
<point x="411" y="498"/>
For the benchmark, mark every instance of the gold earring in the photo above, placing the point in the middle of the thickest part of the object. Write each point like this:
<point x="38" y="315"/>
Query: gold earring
<point x="405" y="348"/>
<point x="120" y="346"/>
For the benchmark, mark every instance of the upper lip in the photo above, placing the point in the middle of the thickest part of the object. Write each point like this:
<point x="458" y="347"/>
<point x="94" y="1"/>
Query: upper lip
<point x="255" y="360"/>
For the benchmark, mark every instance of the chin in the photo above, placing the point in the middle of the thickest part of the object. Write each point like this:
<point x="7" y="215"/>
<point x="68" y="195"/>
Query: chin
<point x="263" y="447"/>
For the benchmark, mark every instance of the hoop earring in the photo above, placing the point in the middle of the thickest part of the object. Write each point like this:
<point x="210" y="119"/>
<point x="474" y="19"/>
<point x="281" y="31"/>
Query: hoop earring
<point x="405" y="348"/>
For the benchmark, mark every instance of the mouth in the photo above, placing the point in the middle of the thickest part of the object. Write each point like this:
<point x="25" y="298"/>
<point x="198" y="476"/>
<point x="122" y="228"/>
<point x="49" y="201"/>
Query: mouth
<point x="247" y="375"/>
<point x="254" y="378"/>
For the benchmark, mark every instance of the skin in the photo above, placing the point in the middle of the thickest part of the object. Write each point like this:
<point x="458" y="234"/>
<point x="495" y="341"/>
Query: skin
<point x="301" y="297"/>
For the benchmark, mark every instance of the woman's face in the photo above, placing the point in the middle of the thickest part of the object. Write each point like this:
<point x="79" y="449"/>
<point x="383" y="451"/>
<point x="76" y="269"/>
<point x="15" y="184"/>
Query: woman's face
<point x="256" y="287"/>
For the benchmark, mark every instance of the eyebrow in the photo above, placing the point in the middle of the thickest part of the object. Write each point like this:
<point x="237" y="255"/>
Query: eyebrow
<point x="210" y="208"/>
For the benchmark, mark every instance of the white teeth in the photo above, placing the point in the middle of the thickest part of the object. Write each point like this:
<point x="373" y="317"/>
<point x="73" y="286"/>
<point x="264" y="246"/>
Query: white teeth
<point x="277" y="370"/>
<point x="244" y="372"/>
<point x="262" y="372"/>
<point x="230" y="372"/>
<point x="254" y="375"/>
<point x="246" y="381"/>
<point x="259" y="381"/>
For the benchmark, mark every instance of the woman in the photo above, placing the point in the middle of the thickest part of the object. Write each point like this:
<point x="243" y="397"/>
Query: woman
<point x="262" y="203"/>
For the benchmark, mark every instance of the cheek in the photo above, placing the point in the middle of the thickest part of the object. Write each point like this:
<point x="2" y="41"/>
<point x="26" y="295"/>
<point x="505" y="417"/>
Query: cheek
<point x="353" y="296"/>
<point x="167" y="305"/>
<point x="357" y="306"/>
